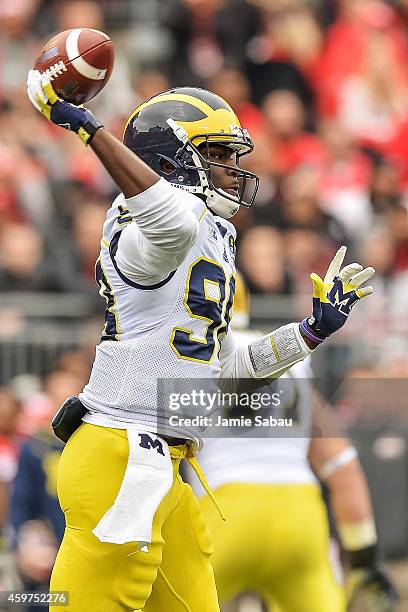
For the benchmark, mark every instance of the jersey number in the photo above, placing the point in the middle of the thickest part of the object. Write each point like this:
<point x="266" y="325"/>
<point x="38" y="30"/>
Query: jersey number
<point x="205" y="299"/>
<point x="111" y="328"/>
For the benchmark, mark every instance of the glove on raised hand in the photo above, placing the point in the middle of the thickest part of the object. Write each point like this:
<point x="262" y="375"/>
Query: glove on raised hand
<point x="334" y="296"/>
<point x="74" y="118"/>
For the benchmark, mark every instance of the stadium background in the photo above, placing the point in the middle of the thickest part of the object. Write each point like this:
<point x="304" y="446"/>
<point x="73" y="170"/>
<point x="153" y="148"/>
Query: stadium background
<point x="322" y="85"/>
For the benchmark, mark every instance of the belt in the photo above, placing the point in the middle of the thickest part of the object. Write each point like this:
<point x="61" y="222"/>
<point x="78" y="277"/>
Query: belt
<point x="173" y="441"/>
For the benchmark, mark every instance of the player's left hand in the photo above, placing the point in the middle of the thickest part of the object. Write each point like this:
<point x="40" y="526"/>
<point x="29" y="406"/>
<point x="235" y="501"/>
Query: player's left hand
<point x="334" y="296"/>
<point x="373" y="586"/>
<point x="74" y="118"/>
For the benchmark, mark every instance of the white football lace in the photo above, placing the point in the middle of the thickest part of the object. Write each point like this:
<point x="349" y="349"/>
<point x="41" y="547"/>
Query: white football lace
<point x="56" y="70"/>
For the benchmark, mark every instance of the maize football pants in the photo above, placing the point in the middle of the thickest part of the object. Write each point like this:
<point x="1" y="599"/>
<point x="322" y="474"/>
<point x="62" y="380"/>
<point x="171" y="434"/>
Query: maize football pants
<point x="175" y="575"/>
<point x="275" y="542"/>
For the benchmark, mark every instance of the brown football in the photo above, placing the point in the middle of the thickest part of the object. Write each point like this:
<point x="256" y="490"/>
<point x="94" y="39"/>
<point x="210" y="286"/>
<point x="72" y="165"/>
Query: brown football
<point x="79" y="63"/>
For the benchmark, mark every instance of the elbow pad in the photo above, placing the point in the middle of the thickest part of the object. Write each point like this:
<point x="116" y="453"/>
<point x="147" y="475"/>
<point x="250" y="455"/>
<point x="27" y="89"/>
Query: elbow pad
<point x="273" y="354"/>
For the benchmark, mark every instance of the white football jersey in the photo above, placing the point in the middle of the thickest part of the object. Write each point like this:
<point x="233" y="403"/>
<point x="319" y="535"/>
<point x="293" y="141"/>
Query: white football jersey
<point x="273" y="460"/>
<point x="169" y="329"/>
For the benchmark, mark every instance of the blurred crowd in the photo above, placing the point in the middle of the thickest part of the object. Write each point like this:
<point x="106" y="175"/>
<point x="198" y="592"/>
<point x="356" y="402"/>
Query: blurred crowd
<point x="31" y="521"/>
<point x="322" y="86"/>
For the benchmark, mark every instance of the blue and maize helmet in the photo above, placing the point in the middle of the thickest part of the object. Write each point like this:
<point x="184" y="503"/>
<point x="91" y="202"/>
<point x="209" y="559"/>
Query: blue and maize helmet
<point x="174" y="126"/>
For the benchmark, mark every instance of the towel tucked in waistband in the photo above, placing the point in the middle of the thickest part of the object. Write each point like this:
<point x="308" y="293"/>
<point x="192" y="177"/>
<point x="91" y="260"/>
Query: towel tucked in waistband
<point x="148" y="478"/>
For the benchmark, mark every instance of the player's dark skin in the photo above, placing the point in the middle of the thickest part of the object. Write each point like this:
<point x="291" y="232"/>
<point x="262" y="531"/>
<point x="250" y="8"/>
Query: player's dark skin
<point x="129" y="172"/>
<point x="133" y="176"/>
<point x="223" y="178"/>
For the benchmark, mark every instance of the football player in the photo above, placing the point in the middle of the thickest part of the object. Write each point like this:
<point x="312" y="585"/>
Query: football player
<point x="276" y="538"/>
<point x="135" y="537"/>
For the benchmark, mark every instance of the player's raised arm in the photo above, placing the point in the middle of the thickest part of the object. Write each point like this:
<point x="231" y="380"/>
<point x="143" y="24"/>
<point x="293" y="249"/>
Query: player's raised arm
<point x="128" y="171"/>
<point x="165" y="230"/>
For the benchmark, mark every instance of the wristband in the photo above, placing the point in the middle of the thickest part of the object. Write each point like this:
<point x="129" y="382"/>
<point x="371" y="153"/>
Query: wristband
<point x="89" y="129"/>
<point x="357" y="536"/>
<point x="309" y="333"/>
<point x="338" y="461"/>
<point x="276" y="352"/>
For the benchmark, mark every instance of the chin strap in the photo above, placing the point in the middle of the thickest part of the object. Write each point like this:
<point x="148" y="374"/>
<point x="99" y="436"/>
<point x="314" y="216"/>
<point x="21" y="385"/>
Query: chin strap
<point x="224" y="207"/>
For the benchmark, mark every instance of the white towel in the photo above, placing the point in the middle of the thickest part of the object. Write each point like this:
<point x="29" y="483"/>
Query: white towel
<point x="148" y="478"/>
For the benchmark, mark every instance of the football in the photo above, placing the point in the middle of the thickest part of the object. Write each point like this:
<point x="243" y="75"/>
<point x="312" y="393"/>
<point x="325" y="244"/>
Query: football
<point x="79" y="63"/>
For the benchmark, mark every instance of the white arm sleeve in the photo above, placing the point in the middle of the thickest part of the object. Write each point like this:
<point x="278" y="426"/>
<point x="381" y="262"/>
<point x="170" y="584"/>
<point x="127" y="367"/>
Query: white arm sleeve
<point x="266" y="357"/>
<point x="160" y="236"/>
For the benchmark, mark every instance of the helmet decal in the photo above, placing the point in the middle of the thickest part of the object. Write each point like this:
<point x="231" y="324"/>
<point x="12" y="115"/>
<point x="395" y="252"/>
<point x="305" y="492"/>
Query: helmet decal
<point x="153" y="114"/>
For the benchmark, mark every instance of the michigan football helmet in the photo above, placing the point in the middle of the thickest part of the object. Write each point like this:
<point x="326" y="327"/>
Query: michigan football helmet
<point x="177" y="126"/>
